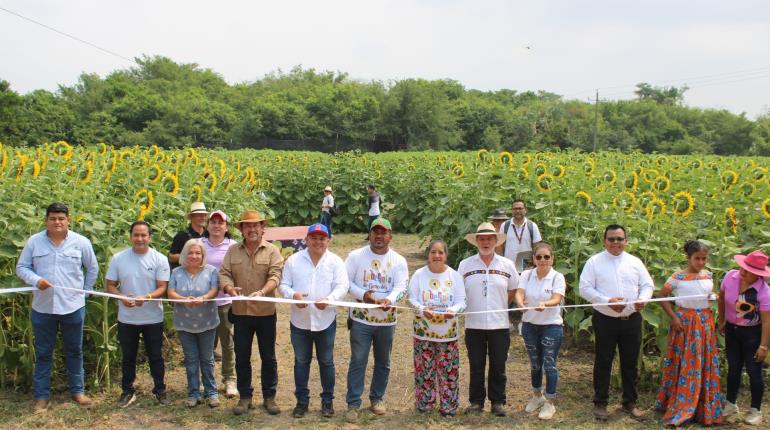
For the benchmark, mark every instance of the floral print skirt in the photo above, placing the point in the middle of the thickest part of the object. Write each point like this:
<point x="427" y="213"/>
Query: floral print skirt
<point x="689" y="390"/>
<point x="436" y="373"/>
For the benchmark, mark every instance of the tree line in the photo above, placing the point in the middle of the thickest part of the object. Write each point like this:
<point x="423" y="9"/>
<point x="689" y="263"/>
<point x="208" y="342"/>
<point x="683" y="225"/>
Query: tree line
<point x="170" y="104"/>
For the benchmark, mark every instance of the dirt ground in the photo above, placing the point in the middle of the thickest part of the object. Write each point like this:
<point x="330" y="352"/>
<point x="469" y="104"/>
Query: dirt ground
<point x="573" y="405"/>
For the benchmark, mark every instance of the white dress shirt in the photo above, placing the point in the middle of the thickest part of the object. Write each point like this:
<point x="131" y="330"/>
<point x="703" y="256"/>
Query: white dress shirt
<point x="605" y="276"/>
<point x="486" y="288"/>
<point x="327" y="279"/>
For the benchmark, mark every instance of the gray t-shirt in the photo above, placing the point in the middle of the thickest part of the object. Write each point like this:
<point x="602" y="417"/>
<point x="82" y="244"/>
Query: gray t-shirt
<point x="137" y="274"/>
<point x="204" y="317"/>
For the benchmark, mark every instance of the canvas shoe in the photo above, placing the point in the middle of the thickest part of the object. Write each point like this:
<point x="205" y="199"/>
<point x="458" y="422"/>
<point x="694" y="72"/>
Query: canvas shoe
<point x="352" y="415"/>
<point x="547" y="411"/>
<point x="754" y="417"/>
<point x="534" y="403"/>
<point x="126" y="399"/>
<point x="729" y="409"/>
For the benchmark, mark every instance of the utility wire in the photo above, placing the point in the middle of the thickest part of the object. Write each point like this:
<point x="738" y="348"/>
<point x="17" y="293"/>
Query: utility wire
<point x="113" y="53"/>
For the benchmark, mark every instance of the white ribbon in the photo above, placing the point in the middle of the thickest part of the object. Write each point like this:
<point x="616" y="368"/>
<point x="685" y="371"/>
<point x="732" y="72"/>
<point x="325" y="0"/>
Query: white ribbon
<point x="359" y="305"/>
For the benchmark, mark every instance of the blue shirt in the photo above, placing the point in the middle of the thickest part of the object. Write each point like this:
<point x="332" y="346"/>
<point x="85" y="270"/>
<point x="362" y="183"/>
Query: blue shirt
<point x="138" y="275"/>
<point x="204" y="317"/>
<point x="61" y="266"/>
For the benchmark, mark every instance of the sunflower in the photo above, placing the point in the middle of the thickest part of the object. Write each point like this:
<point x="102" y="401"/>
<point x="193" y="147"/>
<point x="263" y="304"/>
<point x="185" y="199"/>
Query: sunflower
<point x="747" y="189"/>
<point x="559" y="171"/>
<point x="88" y="172"/>
<point x="22" y="164"/>
<point x="626" y="200"/>
<point x="729" y="178"/>
<point x="213" y="177"/>
<point x="540" y="170"/>
<point x="506" y="158"/>
<point x="696" y="164"/>
<point x="458" y="169"/>
<point x="661" y="184"/>
<point x="650" y="175"/>
<point x="545" y="182"/>
<point x="655" y="208"/>
<point x="174" y="182"/>
<point x="63" y="150"/>
<point x="760" y="174"/>
<point x="267" y="184"/>
<point x="35" y="169"/>
<point x="527" y="159"/>
<point x="766" y="208"/>
<point x="632" y="182"/>
<point x="646" y="198"/>
<point x="661" y="160"/>
<point x="197" y="193"/>
<point x="683" y="204"/>
<point x="144" y="208"/>
<point x="589" y="166"/>
<point x="584" y="196"/>
<point x="222" y="167"/>
<point x="114" y="163"/>
<point x="522" y="173"/>
<point x="378" y="174"/>
<point x="731" y="219"/>
<point x="3" y="160"/>
<point x="610" y="176"/>
<point x="481" y="154"/>
<point x="157" y="174"/>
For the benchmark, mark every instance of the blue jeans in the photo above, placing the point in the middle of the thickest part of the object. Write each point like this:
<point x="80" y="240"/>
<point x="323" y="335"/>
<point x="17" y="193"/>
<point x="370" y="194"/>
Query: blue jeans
<point x="303" y="341"/>
<point x="326" y="219"/>
<point x="45" y="327"/>
<point x="199" y="362"/>
<point x="543" y="343"/>
<point x="363" y="337"/>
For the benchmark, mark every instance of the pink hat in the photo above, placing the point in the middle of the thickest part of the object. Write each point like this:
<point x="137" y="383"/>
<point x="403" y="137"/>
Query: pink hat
<point x="756" y="263"/>
<point x="219" y="214"/>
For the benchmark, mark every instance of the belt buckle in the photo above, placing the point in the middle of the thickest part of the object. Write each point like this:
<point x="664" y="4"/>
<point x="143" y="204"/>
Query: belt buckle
<point x="625" y="318"/>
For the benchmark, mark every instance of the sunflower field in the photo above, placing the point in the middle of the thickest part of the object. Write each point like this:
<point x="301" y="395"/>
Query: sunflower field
<point x="662" y="200"/>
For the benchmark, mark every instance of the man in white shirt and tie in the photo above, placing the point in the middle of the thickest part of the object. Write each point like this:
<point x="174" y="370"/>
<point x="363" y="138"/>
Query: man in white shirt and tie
<point x="614" y="276"/>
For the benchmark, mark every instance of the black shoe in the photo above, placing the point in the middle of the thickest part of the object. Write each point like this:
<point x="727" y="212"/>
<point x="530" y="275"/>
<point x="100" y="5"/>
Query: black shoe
<point x="163" y="398"/>
<point x="474" y="408"/>
<point x="299" y="411"/>
<point x="126" y="399"/>
<point x="327" y="410"/>
<point x="498" y="410"/>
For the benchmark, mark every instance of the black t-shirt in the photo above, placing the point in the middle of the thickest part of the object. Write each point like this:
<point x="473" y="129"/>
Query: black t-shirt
<point x="179" y="240"/>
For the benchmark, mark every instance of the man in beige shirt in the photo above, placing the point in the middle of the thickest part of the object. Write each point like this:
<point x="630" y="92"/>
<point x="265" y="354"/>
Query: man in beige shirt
<point x="253" y="268"/>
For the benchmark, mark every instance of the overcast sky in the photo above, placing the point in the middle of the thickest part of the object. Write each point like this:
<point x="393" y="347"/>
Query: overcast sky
<point x="719" y="48"/>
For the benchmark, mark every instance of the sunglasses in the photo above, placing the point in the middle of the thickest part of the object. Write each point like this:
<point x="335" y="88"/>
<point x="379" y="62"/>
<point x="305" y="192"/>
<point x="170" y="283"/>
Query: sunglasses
<point x="615" y="239"/>
<point x="542" y="257"/>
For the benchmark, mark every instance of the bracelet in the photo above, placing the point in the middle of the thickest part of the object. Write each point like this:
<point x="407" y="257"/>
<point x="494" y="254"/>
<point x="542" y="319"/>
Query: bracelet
<point x="763" y="347"/>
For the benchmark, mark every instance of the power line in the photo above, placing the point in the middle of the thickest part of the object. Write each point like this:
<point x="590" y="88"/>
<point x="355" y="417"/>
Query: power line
<point x="113" y="53"/>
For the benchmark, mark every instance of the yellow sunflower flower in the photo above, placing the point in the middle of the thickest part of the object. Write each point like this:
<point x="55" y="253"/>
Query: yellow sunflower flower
<point x="766" y="208"/>
<point x="655" y="208"/>
<point x="584" y="196"/>
<point x="589" y="166"/>
<point x="610" y="176"/>
<point x="729" y="178"/>
<point x="197" y="193"/>
<point x="481" y="154"/>
<point x="661" y="184"/>
<point x="506" y="158"/>
<point x="683" y="204"/>
<point x="458" y="169"/>
<point x="156" y="174"/>
<point x="173" y="181"/>
<point x="3" y="160"/>
<point x="731" y="219"/>
<point x="632" y="182"/>
<point x="747" y="189"/>
<point x="545" y="182"/>
<point x="625" y="200"/>
<point x="145" y="208"/>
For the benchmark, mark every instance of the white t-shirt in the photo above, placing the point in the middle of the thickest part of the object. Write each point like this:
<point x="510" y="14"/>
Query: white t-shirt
<point x="691" y="284"/>
<point x="486" y="288"/>
<point x="328" y="200"/>
<point x="386" y="275"/>
<point x="138" y="274"/>
<point x="540" y="290"/>
<point x="441" y="292"/>
<point x="519" y="241"/>
<point x="605" y="276"/>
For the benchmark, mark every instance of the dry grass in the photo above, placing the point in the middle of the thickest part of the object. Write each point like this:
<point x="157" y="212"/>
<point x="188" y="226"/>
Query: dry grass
<point x="573" y="406"/>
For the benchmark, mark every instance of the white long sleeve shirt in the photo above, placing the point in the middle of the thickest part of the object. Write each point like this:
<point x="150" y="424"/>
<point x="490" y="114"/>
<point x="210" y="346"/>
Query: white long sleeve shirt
<point x="605" y="276"/>
<point x="328" y="279"/>
<point x="385" y="275"/>
<point x="486" y="288"/>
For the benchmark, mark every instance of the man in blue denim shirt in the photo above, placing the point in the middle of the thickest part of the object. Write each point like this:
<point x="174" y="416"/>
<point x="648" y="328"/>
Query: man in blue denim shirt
<point x="55" y="258"/>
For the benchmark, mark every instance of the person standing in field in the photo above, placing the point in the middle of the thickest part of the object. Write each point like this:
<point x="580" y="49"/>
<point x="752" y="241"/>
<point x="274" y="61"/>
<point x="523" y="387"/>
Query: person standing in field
<point x="373" y="205"/>
<point x="326" y="209"/>
<point x="542" y="328"/>
<point x="490" y="281"/>
<point x="377" y="274"/>
<point x="253" y="268"/>
<point x="217" y="241"/>
<point x="438" y="294"/>
<point x="744" y="321"/>
<point x="196" y="320"/>
<point x="497" y="219"/>
<point x="689" y="389"/>
<point x="195" y="230"/>
<point x="318" y="275"/>
<point x="58" y="257"/>
<point x="615" y="276"/>
<point x="140" y="273"/>
<point x="521" y="234"/>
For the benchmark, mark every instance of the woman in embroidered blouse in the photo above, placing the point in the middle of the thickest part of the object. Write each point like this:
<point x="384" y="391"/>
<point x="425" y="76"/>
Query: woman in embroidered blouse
<point x="196" y="320"/>
<point x="689" y="389"/>
<point x="438" y="293"/>
<point x="542" y="328"/>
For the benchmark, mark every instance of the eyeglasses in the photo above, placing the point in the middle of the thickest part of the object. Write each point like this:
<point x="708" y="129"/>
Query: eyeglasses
<point x="542" y="257"/>
<point x="615" y="239"/>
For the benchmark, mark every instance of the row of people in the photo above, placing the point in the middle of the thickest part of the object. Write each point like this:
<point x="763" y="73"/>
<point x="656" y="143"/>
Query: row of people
<point x="482" y="287"/>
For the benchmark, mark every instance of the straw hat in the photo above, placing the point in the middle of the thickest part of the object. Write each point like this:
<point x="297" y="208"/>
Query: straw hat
<point x="484" y="229"/>
<point x="197" y="208"/>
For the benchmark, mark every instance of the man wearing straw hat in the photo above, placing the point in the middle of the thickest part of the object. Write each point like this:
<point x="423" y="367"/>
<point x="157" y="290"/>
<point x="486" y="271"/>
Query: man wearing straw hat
<point x="490" y="284"/>
<point x="197" y="216"/>
<point x="497" y="219"/>
<point x="253" y="268"/>
<point x="326" y="210"/>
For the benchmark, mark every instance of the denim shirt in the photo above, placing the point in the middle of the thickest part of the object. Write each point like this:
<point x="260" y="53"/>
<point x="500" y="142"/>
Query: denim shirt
<point x="61" y="266"/>
<point x="198" y="319"/>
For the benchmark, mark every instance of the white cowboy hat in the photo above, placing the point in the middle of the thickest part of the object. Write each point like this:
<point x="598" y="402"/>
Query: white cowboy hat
<point x="485" y="228"/>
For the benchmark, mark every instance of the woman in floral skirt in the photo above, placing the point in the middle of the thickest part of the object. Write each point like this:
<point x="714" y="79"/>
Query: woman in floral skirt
<point x="438" y="293"/>
<point x="689" y="390"/>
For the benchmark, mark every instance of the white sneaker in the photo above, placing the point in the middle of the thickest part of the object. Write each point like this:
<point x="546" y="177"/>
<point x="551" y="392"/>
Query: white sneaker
<point x="534" y="404"/>
<point x="547" y="411"/>
<point x="754" y="417"/>
<point x="231" y="390"/>
<point x="729" y="409"/>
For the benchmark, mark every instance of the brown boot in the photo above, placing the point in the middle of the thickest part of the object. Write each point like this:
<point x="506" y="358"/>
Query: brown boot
<point x="270" y="406"/>
<point x="40" y="406"/>
<point x="631" y="409"/>
<point x="600" y="412"/>
<point x="82" y="400"/>
<point x="243" y="406"/>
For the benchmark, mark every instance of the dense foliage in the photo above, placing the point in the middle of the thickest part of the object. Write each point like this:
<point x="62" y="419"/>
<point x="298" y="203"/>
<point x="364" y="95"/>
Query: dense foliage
<point x="171" y="105"/>
<point x="663" y="200"/>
